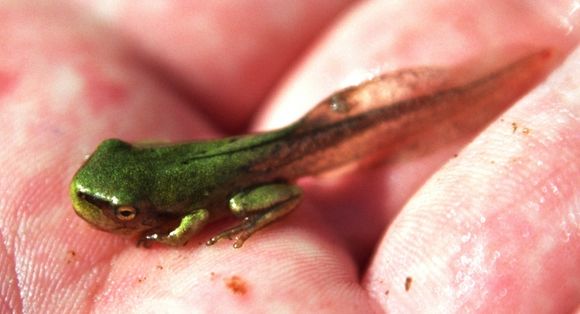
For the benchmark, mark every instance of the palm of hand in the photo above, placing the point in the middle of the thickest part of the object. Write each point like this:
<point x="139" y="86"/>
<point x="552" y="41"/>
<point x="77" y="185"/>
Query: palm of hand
<point x="494" y="229"/>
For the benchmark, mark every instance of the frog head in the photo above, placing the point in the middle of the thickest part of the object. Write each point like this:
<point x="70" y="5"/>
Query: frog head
<point x="107" y="191"/>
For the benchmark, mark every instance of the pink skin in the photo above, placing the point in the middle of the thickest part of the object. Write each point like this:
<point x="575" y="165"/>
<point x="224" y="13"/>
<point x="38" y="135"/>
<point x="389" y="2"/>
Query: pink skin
<point x="495" y="229"/>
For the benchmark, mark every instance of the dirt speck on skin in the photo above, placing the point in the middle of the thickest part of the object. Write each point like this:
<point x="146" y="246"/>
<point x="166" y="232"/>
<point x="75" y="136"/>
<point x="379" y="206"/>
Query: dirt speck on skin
<point x="160" y="267"/>
<point x="408" y="283"/>
<point x="515" y="127"/>
<point x="236" y="284"/>
<point x="141" y="279"/>
<point x="70" y="256"/>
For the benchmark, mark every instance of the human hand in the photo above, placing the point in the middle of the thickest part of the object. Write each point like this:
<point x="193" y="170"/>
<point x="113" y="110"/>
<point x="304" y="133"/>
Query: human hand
<point x="493" y="229"/>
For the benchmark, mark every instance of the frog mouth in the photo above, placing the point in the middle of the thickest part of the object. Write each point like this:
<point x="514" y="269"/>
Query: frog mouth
<point x="89" y="211"/>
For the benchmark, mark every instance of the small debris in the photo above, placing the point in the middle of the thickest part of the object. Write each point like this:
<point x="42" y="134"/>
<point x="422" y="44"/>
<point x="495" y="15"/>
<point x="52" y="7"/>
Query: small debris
<point x="236" y="284"/>
<point x="159" y="267"/>
<point x="408" y="282"/>
<point x="515" y="127"/>
<point x="141" y="279"/>
<point x="70" y="256"/>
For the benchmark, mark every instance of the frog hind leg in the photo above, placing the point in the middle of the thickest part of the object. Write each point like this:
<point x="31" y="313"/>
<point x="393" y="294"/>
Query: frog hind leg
<point x="259" y="207"/>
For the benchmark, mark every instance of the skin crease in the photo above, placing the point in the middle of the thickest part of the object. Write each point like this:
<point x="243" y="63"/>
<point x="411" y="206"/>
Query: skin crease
<point x="353" y="242"/>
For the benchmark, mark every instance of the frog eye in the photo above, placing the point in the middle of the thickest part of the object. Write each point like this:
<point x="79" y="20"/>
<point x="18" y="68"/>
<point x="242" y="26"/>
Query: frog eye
<point x="126" y="213"/>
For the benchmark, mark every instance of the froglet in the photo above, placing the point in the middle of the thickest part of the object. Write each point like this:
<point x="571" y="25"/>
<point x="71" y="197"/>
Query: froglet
<point x="167" y="193"/>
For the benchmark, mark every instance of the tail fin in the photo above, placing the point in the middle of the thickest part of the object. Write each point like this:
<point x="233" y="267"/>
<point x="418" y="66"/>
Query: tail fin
<point x="406" y="112"/>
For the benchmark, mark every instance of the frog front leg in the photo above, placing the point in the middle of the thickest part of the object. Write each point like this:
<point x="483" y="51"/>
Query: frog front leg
<point x="259" y="207"/>
<point x="188" y="226"/>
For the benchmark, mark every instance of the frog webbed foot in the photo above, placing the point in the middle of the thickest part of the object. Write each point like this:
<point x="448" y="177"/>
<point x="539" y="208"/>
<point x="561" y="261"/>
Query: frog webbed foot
<point x="259" y="207"/>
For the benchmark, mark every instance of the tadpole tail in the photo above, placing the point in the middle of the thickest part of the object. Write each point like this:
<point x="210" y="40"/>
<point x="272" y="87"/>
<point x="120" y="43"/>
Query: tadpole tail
<point x="405" y="112"/>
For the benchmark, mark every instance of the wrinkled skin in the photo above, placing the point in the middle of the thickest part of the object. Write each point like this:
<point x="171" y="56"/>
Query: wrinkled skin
<point x="495" y="228"/>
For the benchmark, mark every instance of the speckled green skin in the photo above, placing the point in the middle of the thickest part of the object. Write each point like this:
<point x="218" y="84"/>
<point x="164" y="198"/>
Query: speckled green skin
<point x="170" y="192"/>
<point x="198" y="174"/>
<point x="167" y="182"/>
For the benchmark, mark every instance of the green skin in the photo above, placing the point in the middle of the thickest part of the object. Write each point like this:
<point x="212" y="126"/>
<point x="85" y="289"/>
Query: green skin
<point x="168" y="193"/>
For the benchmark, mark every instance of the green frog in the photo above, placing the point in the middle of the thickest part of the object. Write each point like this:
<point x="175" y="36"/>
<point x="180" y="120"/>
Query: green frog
<point x="167" y="193"/>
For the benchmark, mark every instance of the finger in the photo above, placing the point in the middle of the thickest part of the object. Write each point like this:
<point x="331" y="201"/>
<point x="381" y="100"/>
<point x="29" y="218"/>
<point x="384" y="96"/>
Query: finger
<point x="497" y="227"/>
<point x="226" y="57"/>
<point x="340" y="59"/>
<point x="474" y="262"/>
